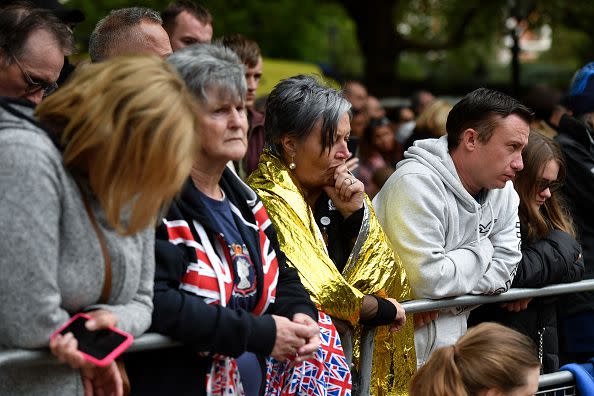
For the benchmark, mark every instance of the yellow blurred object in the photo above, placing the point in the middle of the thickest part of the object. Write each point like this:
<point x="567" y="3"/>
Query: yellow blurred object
<point x="372" y="268"/>
<point x="275" y="70"/>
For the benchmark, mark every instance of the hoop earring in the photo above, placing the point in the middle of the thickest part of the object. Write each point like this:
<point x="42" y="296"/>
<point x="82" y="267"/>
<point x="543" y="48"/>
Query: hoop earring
<point x="292" y="164"/>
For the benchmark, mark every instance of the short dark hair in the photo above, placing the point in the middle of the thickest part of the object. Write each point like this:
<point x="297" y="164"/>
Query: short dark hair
<point x="481" y="110"/>
<point x="118" y="25"/>
<point x="19" y="20"/>
<point x="177" y="7"/>
<point x="247" y="50"/>
<point x="543" y="100"/>
<point x="294" y="107"/>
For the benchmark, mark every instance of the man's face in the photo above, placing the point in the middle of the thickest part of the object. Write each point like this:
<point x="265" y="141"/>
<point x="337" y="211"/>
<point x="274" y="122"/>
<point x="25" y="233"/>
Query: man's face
<point x="252" y="77"/>
<point x="374" y="108"/>
<point x="357" y="95"/>
<point x="188" y="30"/>
<point x="41" y="59"/>
<point x="495" y="162"/>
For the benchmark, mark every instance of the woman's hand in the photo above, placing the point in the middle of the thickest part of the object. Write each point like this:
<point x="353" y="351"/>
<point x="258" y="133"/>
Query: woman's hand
<point x="102" y="381"/>
<point x="347" y="192"/>
<point x="312" y="340"/>
<point x="65" y="348"/>
<point x="100" y="319"/>
<point x="400" y="318"/>
<point x="352" y="163"/>
<point x="97" y="380"/>
<point x="290" y="337"/>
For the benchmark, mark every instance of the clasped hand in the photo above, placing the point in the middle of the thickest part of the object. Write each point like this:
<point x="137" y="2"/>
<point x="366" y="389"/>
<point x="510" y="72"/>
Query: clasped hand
<point x="298" y="339"/>
<point x="347" y="192"/>
<point x="96" y="380"/>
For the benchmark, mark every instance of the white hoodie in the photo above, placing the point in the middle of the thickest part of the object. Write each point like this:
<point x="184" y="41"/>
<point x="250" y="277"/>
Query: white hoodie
<point x="449" y="243"/>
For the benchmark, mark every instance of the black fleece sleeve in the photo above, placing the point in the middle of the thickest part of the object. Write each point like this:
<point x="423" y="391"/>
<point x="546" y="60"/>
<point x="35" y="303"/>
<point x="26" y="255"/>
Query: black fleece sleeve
<point x="291" y="296"/>
<point x="386" y="313"/>
<point x="187" y="318"/>
<point x="550" y="260"/>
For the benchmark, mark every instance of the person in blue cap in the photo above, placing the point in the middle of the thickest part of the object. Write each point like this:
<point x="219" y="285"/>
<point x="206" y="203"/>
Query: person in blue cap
<point x="576" y="138"/>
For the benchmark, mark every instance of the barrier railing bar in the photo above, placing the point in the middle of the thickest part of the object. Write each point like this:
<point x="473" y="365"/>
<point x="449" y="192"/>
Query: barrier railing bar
<point x="24" y="357"/>
<point x="560" y="377"/>
<point x="346" y="340"/>
<point x="367" y="340"/>
<point x="416" y="306"/>
<point x="151" y="341"/>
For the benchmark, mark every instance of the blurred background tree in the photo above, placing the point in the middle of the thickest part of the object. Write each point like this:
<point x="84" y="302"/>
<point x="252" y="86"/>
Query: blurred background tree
<point x="397" y="46"/>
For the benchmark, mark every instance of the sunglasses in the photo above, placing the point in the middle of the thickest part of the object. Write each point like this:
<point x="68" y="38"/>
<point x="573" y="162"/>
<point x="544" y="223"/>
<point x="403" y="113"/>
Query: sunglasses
<point x="34" y="86"/>
<point x="552" y="185"/>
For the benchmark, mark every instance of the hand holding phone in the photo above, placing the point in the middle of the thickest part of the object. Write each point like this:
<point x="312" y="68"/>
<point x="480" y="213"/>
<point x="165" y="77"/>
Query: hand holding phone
<point x="74" y="343"/>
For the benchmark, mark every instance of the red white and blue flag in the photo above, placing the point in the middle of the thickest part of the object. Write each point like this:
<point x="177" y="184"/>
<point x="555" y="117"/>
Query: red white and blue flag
<point x="327" y="374"/>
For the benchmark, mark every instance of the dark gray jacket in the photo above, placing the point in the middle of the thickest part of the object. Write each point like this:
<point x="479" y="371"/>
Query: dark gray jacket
<point x="51" y="261"/>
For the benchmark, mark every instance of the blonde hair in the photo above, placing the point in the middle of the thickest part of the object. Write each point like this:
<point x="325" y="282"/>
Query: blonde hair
<point x="126" y="125"/>
<point x="433" y="119"/>
<point x="488" y="356"/>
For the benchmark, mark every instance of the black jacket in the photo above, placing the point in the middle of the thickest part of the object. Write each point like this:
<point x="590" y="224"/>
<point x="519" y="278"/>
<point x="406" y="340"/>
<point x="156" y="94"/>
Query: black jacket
<point x="544" y="262"/>
<point x="574" y="139"/>
<point x="202" y="327"/>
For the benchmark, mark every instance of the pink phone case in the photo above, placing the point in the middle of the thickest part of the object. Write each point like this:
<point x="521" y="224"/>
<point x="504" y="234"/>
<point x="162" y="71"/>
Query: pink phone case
<point x="113" y="354"/>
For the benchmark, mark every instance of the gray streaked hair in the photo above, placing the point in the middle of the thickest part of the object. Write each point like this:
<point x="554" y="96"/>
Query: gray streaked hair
<point x="205" y="67"/>
<point x="119" y="26"/>
<point x="294" y="107"/>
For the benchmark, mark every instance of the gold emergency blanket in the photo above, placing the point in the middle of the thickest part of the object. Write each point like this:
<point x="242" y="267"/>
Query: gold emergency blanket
<point x="372" y="268"/>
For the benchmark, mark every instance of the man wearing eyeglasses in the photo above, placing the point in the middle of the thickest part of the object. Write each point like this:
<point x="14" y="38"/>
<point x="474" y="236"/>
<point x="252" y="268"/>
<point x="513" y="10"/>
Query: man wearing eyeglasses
<point x="33" y="43"/>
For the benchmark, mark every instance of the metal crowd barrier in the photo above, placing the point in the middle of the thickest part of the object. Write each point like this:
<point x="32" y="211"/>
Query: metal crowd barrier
<point x="20" y="358"/>
<point x="415" y="306"/>
<point x="560" y="383"/>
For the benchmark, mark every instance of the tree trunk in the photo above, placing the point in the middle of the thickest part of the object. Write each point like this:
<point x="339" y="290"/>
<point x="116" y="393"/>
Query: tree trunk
<point x="376" y="35"/>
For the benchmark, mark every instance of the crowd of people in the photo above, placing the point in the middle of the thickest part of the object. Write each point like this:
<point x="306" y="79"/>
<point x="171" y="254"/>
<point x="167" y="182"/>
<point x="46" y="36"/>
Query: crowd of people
<point x="148" y="189"/>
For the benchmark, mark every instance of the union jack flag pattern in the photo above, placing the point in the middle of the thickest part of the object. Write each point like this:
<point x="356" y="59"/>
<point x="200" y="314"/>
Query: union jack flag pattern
<point x="327" y="374"/>
<point x="223" y="379"/>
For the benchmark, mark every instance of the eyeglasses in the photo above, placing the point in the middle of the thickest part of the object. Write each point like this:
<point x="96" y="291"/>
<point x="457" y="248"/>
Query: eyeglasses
<point x="34" y="86"/>
<point x="552" y="185"/>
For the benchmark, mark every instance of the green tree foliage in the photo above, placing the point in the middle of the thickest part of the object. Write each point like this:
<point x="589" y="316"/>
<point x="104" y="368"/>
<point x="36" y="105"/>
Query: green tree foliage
<point x="437" y="41"/>
<point x="304" y="30"/>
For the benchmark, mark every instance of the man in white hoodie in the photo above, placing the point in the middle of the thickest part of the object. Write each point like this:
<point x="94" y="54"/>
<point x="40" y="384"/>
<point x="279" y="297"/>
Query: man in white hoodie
<point x="451" y="212"/>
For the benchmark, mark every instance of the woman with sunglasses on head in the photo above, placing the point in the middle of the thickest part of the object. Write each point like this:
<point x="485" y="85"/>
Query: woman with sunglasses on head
<point x="550" y="252"/>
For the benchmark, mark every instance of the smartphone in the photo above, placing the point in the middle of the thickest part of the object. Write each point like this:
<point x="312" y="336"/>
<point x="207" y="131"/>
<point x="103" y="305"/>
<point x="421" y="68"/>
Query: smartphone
<point x="100" y="347"/>
<point x="352" y="145"/>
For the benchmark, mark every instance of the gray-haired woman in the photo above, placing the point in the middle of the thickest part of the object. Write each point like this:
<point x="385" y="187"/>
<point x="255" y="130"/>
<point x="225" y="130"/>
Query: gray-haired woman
<point x="222" y="287"/>
<point x="326" y="226"/>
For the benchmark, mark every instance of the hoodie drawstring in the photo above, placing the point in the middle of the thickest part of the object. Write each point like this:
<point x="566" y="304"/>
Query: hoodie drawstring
<point x="491" y="224"/>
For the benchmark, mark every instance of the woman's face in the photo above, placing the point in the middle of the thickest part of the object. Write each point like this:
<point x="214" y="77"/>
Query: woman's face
<point x="383" y="139"/>
<point x="546" y="183"/>
<point x="222" y="128"/>
<point x="315" y="168"/>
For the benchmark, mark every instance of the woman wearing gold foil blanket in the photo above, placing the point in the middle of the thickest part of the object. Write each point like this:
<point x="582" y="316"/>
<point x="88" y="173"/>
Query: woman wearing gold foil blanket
<point x="326" y="225"/>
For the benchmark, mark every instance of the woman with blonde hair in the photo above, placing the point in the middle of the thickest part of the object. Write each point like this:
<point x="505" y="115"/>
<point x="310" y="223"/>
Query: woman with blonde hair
<point x="84" y="178"/>
<point x="489" y="360"/>
<point x="550" y="251"/>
